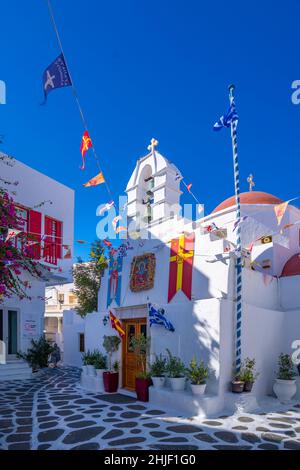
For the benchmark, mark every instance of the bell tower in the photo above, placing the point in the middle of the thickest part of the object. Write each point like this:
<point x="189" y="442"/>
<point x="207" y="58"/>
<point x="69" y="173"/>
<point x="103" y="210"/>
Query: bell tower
<point x="153" y="192"/>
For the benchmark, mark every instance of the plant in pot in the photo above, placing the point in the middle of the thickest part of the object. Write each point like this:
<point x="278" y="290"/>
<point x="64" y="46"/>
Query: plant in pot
<point x="176" y="371"/>
<point x="100" y="364"/>
<point x="198" y="374"/>
<point x="37" y="355"/>
<point x="111" y="377"/>
<point x="158" y="370"/>
<point x="237" y="384"/>
<point x="248" y="375"/>
<point x="140" y="345"/>
<point x="84" y="363"/>
<point x="285" y="385"/>
<point x="90" y="359"/>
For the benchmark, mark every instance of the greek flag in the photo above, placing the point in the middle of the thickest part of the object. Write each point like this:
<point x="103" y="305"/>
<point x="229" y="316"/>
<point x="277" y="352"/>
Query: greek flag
<point x="227" y="119"/>
<point x="156" y="317"/>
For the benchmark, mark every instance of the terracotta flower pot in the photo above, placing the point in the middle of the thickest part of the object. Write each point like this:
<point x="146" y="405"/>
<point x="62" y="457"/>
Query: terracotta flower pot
<point x="111" y="381"/>
<point x="248" y="386"/>
<point x="142" y="388"/>
<point x="237" y="386"/>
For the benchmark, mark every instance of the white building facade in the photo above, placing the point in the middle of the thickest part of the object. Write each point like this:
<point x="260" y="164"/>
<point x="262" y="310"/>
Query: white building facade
<point x="198" y="296"/>
<point x="52" y="224"/>
<point x="59" y="297"/>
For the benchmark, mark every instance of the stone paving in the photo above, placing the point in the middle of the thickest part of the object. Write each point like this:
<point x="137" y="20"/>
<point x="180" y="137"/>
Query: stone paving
<point x="52" y="412"/>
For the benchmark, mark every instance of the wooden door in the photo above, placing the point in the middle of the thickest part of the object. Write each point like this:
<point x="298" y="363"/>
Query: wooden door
<point x="133" y="328"/>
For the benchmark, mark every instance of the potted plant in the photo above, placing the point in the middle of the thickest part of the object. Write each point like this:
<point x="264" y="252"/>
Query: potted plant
<point x="37" y="354"/>
<point x="248" y="374"/>
<point x="157" y="371"/>
<point x="100" y="365"/>
<point x="90" y="358"/>
<point x="140" y="345"/>
<point x="84" y="363"/>
<point x="197" y="373"/>
<point x="176" y="371"/>
<point x="237" y="384"/>
<point x="285" y="385"/>
<point x="111" y="377"/>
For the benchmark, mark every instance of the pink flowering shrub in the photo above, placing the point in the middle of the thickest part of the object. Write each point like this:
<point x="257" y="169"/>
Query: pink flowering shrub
<point x="13" y="259"/>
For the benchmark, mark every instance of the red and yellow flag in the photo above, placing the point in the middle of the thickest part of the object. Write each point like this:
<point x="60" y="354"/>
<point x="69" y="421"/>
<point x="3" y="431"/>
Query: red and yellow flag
<point x="98" y="179"/>
<point x="86" y="143"/>
<point x="116" y="324"/>
<point x="181" y="265"/>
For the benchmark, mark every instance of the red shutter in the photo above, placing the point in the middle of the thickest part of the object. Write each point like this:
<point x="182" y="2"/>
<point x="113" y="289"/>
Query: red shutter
<point x="58" y="239"/>
<point x="47" y="238"/>
<point x="34" y="232"/>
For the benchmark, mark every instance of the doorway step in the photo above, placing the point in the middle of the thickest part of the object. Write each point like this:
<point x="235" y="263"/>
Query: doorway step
<point x="185" y="402"/>
<point x="15" y="370"/>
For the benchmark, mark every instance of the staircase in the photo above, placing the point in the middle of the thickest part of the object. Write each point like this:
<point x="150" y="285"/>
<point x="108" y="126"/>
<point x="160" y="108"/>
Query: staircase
<point x="15" y="370"/>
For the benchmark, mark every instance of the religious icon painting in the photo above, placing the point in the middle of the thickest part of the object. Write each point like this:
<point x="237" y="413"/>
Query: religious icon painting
<point x="114" y="280"/>
<point x="142" y="272"/>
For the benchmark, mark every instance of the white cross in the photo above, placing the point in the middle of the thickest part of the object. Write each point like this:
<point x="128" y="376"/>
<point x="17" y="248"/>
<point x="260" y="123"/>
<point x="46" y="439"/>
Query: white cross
<point x="49" y="81"/>
<point x="152" y="145"/>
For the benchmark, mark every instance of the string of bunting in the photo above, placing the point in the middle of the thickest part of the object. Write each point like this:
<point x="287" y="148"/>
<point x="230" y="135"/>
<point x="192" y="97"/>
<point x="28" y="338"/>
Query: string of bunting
<point x="58" y="75"/>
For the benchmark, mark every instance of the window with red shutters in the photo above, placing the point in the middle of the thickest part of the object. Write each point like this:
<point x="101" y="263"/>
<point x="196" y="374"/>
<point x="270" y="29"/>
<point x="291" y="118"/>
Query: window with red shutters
<point x="34" y="233"/>
<point x="53" y="240"/>
<point x="22" y="214"/>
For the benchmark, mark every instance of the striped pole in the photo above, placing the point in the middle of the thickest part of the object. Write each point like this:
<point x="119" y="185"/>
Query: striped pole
<point x="238" y="328"/>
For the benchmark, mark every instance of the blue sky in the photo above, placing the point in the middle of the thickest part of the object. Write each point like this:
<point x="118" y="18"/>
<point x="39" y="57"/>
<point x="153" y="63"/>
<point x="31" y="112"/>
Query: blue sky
<point x="154" y="69"/>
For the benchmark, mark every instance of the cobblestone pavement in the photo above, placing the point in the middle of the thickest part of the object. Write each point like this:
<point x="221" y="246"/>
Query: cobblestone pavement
<point x="51" y="411"/>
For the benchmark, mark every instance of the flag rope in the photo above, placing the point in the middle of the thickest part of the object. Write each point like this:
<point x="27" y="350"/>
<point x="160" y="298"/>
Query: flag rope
<point x="75" y="92"/>
<point x="238" y="328"/>
<point x="192" y="194"/>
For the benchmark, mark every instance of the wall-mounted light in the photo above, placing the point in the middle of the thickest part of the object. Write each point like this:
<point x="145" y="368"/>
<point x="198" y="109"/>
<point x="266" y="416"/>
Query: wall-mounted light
<point x="105" y="320"/>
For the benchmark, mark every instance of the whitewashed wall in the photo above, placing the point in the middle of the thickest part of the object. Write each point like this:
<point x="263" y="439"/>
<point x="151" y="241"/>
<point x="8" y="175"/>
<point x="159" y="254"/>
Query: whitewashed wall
<point x="73" y="325"/>
<point x="34" y="188"/>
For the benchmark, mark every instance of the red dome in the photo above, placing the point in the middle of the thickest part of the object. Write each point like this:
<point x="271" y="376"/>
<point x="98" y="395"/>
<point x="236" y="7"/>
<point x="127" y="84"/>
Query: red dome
<point x="292" y="266"/>
<point x="251" y="197"/>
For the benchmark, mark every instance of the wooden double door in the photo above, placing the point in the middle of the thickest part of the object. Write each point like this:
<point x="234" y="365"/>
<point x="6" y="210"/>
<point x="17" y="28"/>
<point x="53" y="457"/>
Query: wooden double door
<point x="130" y="365"/>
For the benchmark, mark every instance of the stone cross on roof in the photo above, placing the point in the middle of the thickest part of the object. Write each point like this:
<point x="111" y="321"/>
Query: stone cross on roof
<point x="152" y="145"/>
<point x="251" y="182"/>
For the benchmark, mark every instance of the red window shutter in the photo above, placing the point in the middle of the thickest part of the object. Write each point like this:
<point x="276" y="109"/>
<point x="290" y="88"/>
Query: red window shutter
<point x="48" y="238"/>
<point x="58" y="239"/>
<point x="34" y="232"/>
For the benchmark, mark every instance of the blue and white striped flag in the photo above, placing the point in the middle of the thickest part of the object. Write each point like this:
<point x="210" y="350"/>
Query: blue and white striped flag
<point x="227" y="119"/>
<point x="156" y="317"/>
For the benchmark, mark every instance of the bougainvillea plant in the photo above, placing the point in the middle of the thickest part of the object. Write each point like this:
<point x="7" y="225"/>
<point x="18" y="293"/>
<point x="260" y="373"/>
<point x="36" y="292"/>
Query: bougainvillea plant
<point x="15" y="258"/>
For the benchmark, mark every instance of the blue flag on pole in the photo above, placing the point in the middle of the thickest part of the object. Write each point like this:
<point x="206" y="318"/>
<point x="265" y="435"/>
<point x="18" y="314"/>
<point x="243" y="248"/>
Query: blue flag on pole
<point x="156" y="317"/>
<point x="56" y="75"/>
<point x="227" y="119"/>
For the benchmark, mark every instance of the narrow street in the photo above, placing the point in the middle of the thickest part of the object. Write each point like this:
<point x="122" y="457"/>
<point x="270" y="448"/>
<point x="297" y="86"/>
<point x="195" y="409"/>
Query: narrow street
<point x="52" y="412"/>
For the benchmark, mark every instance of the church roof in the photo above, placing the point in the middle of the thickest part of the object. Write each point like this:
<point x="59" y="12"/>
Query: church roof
<point x="250" y="197"/>
<point x="292" y="266"/>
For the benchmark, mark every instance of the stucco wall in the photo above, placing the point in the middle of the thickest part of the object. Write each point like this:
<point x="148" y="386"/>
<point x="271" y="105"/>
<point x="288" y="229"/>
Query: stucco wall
<point x="73" y="324"/>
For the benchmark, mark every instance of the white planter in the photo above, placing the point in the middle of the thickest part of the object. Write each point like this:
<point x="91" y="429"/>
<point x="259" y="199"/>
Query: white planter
<point x="99" y="373"/>
<point x="84" y="370"/>
<point x="177" y="383"/>
<point x="198" y="389"/>
<point x="158" y="382"/>
<point x="91" y="370"/>
<point x="285" y="389"/>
